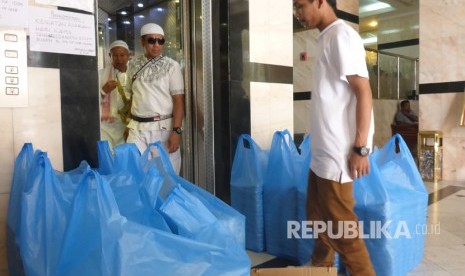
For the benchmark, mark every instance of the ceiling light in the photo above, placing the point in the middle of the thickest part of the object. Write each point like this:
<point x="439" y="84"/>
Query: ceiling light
<point x="373" y="23"/>
<point x="141" y="16"/>
<point x="159" y="9"/>
<point x="127" y="22"/>
<point x="140" y="5"/>
<point x="375" y="7"/>
<point x="124" y="13"/>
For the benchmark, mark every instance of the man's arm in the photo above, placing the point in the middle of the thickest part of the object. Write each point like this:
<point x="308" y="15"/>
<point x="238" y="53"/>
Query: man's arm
<point x="359" y="165"/>
<point x="411" y="116"/>
<point x="178" y="115"/>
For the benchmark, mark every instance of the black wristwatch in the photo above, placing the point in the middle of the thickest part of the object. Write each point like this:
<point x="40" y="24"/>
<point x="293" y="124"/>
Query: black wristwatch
<point x="362" y="151"/>
<point x="178" y="130"/>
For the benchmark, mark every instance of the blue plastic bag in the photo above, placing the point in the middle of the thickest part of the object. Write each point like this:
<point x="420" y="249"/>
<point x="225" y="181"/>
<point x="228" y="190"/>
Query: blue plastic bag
<point x="284" y="196"/>
<point x="392" y="195"/>
<point x="232" y="220"/>
<point x="44" y="217"/>
<point x="22" y="164"/>
<point x="247" y="179"/>
<point x="71" y="224"/>
<point x="109" y="244"/>
<point x="195" y="221"/>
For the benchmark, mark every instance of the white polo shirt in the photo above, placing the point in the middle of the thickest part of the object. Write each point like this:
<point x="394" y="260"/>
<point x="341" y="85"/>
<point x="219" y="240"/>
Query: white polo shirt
<point x="340" y="53"/>
<point x="153" y="89"/>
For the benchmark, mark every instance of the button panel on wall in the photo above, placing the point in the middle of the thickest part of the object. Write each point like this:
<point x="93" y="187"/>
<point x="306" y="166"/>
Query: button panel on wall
<point x="13" y="67"/>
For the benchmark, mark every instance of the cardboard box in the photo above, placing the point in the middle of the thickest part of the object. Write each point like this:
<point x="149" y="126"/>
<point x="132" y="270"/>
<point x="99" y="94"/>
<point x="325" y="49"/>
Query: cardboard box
<point x="295" y="271"/>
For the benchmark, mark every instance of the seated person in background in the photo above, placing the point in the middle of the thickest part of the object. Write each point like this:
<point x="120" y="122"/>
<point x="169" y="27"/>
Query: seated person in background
<point x="405" y="116"/>
<point x="406" y="124"/>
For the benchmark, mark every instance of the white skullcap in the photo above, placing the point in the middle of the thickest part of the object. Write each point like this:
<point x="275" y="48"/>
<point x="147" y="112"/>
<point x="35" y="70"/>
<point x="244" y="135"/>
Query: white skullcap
<point x="151" y="28"/>
<point x="119" y="43"/>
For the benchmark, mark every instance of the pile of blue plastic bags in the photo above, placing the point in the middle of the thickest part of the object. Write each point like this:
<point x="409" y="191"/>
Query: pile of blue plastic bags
<point x="131" y="216"/>
<point x="270" y="188"/>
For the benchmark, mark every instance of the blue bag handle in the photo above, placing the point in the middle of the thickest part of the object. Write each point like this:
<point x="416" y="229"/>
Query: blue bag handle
<point x="105" y="157"/>
<point x="404" y="150"/>
<point x="417" y="181"/>
<point x="106" y="199"/>
<point x="165" y="160"/>
<point x="126" y="157"/>
<point x="305" y="146"/>
<point x="251" y="144"/>
<point x="249" y="161"/>
<point x="286" y="137"/>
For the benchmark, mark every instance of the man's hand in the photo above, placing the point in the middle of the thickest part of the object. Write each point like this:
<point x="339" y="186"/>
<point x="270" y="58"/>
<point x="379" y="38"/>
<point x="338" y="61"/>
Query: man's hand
<point x="174" y="142"/>
<point x="109" y="86"/>
<point x="359" y="166"/>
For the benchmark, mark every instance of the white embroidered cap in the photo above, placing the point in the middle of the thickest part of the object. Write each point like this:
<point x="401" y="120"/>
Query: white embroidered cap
<point x="151" y="28"/>
<point x="119" y="43"/>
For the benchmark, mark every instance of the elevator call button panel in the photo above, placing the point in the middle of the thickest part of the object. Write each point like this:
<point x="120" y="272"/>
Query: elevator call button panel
<point x="13" y="67"/>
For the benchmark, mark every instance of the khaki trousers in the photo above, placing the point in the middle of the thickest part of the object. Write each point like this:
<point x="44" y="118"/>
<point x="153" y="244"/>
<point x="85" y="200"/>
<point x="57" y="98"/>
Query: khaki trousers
<point x="330" y="201"/>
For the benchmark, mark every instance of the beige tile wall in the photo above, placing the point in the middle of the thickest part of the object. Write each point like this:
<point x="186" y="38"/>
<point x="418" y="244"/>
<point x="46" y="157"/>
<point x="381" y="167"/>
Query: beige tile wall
<point x="271" y="109"/>
<point x="270" y="25"/>
<point x="442" y="59"/>
<point x="442" y="112"/>
<point x="270" y="36"/>
<point x="3" y="210"/>
<point x="40" y="124"/>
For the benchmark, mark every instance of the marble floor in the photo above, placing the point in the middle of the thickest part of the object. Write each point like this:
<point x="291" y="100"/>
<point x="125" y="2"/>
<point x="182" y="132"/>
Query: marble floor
<point x="444" y="246"/>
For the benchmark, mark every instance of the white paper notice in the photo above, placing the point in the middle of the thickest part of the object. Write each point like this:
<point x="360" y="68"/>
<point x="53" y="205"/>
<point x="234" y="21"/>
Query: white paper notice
<point x="63" y="32"/>
<point x="84" y="5"/>
<point x="13" y="13"/>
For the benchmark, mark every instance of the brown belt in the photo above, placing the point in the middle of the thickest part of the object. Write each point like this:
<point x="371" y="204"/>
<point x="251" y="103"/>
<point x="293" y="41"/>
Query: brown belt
<point x="151" y="119"/>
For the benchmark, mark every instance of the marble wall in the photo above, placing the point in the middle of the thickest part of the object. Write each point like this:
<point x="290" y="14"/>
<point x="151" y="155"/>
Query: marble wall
<point x="270" y="51"/>
<point x="442" y="36"/>
<point x="270" y="32"/>
<point x="39" y="124"/>
<point x="271" y="110"/>
<point x="442" y="79"/>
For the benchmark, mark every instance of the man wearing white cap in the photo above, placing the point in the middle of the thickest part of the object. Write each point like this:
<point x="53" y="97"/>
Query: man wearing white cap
<point x="157" y="89"/>
<point x="114" y="102"/>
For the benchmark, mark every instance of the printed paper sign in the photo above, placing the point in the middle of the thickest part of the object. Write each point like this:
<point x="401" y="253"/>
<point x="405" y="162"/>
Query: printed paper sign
<point x="13" y="13"/>
<point x="84" y="5"/>
<point x="63" y="32"/>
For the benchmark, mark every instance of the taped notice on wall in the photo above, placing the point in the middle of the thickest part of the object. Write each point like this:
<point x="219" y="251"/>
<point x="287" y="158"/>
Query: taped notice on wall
<point x="56" y="31"/>
<point x="84" y="5"/>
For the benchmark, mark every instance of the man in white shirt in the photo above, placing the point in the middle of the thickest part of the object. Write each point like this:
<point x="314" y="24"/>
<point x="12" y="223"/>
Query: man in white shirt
<point x="341" y="132"/>
<point x="113" y="82"/>
<point x="157" y="88"/>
